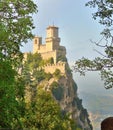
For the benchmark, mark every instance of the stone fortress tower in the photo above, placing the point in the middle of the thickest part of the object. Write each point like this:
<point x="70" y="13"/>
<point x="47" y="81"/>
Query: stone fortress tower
<point x="51" y="48"/>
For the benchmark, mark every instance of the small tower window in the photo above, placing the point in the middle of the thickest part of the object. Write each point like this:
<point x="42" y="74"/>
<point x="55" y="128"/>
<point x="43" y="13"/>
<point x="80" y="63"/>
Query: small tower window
<point x="35" y="41"/>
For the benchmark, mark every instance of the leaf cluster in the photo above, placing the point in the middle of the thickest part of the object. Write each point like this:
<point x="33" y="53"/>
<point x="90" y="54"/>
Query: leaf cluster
<point x="104" y="11"/>
<point x="57" y="73"/>
<point x="16" y="24"/>
<point x="32" y="71"/>
<point x="98" y="64"/>
<point x="15" y="27"/>
<point x="45" y="113"/>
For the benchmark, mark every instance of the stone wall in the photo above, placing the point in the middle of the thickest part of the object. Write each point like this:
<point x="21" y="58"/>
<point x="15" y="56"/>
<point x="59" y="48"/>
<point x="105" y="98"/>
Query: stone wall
<point x="42" y="48"/>
<point x="48" y="55"/>
<point x="50" y="68"/>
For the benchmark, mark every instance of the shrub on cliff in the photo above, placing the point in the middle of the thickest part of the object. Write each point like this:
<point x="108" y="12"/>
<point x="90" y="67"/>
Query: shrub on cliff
<point x="45" y="114"/>
<point x="57" y="73"/>
<point x="32" y="71"/>
<point x="57" y="90"/>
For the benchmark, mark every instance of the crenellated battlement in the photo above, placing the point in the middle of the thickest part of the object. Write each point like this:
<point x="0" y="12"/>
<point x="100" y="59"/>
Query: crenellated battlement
<point x="50" y="68"/>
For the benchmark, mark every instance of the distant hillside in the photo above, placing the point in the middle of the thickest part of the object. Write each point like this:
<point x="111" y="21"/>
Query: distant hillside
<point x="99" y="106"/>
<point x="98" y="102"/>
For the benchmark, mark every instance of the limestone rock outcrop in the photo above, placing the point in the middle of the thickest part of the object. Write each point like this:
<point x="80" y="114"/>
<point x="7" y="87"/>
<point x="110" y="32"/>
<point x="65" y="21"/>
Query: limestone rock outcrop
<point x="65" y="92"/>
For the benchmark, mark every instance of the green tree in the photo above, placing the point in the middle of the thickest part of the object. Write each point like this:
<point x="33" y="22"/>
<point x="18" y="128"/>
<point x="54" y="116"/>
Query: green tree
<point x="45" y="114"/>
<point x="15" y="27"/>
<point x="32" y="71"/>
<point x="33" y="61"/>
<point x="57" y="73"/>
<point x="16" y="24"/>
<point x="103" y="63"/>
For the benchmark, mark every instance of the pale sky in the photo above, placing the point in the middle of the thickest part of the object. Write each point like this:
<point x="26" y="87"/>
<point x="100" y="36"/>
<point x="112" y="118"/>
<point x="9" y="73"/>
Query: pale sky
<point x="76" y="29"/>
<point x="76" y="26"/>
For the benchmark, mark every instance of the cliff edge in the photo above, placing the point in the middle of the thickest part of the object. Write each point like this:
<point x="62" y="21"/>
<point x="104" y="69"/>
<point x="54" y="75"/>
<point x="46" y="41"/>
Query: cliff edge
<point x="64" y="91"/>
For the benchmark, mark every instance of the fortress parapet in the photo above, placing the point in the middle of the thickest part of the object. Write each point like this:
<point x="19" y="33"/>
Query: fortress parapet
<point x="50" y="68"/>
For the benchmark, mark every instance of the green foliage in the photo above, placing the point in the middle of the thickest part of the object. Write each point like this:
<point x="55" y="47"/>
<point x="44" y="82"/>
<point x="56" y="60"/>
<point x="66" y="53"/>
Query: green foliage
<point x="11" y="96"/>
<point x="57" y="90"/>
<point x="7" y="97"/>
<point x="50" y="60"/>
<point x="78" y="128"/>
<point x="45" y="114"/>
<point x="33" y="61"/>
<point x="15" y="27"/>
<point x="54" y="85"/>
<point x="58" y="93"/>
<point x="48" y="76"/>
<point x="98" y="64"/>
<point x="103" y="63"/>
<point x="57" y="73"/>
<point x="7" y="73"/>
<point x="83" y="65"/>
<point x="32" y="71"/>
<point x="104" y="11"/>
<point x="16" y="24"/>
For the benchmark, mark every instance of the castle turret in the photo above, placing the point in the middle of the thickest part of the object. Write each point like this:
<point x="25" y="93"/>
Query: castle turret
<point x="51" y="48"/>
<point x="52" y="31"/>
<point x="52" y="39"/>
<point x="37" y="41"/>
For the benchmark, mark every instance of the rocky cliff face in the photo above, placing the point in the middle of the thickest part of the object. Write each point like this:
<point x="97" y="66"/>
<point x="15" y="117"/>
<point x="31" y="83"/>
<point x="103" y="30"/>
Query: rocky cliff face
<point x="64" y="90"/>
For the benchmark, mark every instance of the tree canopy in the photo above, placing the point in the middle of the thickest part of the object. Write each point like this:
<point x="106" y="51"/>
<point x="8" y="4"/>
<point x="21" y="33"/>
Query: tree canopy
<point x="16" y="26"/>
<point x="45" y="113"/>
<point x="104" y="62"/>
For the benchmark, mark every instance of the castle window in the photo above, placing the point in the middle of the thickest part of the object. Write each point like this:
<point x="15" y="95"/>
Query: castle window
<point x="35" y="41"/>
